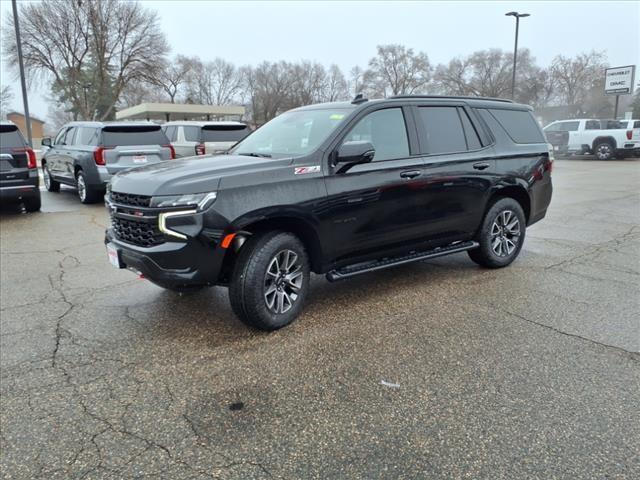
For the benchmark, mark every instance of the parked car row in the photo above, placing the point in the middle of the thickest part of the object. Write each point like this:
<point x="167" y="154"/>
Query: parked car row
<point x="603" y="138"/>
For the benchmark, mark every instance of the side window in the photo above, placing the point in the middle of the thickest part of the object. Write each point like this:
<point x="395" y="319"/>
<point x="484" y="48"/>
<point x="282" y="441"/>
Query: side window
<point x="592" y="125"/>
<point x="171" y="133"/>
<point x="191" y="133"/>
<point x="570" y="126"/>
<point x="69" y="137"/>
<point x="473" y="141"/>
<point x="636" y="124"/>
<point x="59" y="140"/>
<point x="85" y="136"/>
<point x="519" y="125"/>
<point x="386" y="130"/>
<point x="443" y="130"/>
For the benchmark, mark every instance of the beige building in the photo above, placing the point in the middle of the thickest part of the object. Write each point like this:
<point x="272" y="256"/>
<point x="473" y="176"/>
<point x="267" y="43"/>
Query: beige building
<point x="166" y="112"/>
<point x="37" y="126"/>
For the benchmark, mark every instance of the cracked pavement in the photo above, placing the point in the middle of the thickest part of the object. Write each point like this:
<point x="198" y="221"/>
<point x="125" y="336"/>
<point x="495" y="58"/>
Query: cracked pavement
<point x="527" y="372"/>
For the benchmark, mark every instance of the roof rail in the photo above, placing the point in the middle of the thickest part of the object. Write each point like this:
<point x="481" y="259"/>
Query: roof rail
<point x="456" y="97"/>
<point x="359" y="98"/>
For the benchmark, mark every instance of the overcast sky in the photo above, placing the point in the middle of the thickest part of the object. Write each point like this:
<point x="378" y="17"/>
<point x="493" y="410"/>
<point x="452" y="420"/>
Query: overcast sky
<point x="346" y="33"/>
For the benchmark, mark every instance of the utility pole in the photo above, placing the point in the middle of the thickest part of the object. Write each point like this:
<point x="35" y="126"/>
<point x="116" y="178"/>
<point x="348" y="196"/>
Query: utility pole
<point x="517" y="16"/>
<point x="23" y="81"/>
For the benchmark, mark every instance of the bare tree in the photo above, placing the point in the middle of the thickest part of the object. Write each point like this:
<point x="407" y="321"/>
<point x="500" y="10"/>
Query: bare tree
<point x="336" y="85"/>
<point x="576" y="77"/>
<point x="171" y="75"/>
<point x="356" y="83"/>
<point x="268" y="87"/>
<point x="217" y="82"/>
<point x="6" y="95"/>
<point x="397" y="70"/>
<point x="90" y="49"/>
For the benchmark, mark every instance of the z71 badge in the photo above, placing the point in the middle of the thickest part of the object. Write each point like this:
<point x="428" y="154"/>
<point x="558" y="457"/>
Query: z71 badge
<point x="304" y="170"/>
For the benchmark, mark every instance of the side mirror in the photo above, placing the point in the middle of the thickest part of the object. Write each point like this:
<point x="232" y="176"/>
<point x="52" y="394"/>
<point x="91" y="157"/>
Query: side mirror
<point x="46" y="142"/>
<point x="354" y="153"/>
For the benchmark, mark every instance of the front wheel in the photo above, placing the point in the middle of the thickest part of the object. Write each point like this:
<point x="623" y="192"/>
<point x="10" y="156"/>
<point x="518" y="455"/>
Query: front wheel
<point x="86" y="193"/>
<point x="50" y="184"/>
<point x="501" y="235"/>
<point x="270" y="280"/>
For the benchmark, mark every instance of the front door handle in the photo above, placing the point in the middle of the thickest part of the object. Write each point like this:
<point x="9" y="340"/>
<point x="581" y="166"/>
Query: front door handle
<point x="481" y="165"/>
<point x="411" y="174"/>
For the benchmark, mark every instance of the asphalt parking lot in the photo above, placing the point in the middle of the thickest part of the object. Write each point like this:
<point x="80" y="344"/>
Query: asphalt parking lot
<point x="433" y="370"/>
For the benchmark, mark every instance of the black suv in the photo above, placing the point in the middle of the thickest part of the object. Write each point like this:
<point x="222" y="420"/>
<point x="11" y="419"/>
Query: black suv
<point x="86" y="154"/>
<point x="339" y="189"/>
<point x="18" y="169"/>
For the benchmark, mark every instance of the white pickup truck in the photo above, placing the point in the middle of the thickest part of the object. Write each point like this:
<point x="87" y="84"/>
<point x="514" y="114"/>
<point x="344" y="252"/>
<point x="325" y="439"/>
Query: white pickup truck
<point x="603" y="138"/>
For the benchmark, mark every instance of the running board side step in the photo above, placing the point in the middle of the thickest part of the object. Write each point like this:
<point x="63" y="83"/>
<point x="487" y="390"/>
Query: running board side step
<point x="353" y="270"/>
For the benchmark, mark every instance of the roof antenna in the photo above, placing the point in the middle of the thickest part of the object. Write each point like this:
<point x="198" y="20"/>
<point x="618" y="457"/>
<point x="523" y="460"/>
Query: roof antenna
<point x="359" y="99"/>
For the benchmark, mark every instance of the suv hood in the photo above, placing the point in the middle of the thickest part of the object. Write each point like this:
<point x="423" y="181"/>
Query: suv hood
<point x="189" y="175"/>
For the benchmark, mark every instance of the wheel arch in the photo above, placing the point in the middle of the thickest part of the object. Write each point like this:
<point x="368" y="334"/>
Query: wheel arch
<point x="518" y="193"/>
<point x="604" y="138"/>
<point x="300" y="227"/>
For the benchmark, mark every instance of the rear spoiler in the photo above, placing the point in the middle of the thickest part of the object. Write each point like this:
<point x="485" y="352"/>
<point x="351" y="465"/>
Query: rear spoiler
<point x="131" y="128"/>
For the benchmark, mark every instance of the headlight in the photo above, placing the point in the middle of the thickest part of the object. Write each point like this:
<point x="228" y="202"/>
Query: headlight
<point x="200" y="200"/>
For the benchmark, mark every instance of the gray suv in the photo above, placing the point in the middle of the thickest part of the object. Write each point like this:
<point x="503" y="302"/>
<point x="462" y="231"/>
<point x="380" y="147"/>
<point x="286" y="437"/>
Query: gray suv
<point x="204" y="138"/>
<point x="86" y="154"/>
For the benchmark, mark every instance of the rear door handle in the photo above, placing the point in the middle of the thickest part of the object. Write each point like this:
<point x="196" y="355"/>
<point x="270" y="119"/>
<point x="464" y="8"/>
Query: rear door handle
<point x="411" y="174"/>
<point x="481" y="165"/>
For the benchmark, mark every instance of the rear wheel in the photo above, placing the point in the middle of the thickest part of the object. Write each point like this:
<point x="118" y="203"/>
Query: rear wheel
<point x="270" y="280"/>
<point x="86" y="193"/>
<point x="50" y="184"/>
<point x="32" y="204"/>
<point x="603" y="150"/>
<point x="501" y="235"/>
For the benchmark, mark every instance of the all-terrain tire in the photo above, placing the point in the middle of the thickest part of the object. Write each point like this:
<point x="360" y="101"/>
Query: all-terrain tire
<point x="250" y="283"/>
<point x="499" y="245"/>
<point x="603" y="150"/>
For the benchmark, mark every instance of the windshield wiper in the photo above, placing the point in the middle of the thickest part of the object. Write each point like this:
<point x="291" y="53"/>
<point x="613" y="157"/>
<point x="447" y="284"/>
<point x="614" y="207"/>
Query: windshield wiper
<point x="254" y="154"/>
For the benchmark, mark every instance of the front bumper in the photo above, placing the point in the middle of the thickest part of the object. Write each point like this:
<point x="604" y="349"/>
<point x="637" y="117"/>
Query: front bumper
<point x="170" y="262"/>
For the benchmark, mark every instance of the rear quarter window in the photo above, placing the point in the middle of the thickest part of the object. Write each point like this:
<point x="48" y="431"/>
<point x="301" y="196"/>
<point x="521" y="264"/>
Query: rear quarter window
<point x="126" y="136"/>
<point x="519" y="125"/>
<point x="10" y="137"/>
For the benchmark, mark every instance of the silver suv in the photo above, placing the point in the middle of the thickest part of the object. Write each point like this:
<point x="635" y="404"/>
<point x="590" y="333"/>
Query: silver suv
<point x="190" y="138"/>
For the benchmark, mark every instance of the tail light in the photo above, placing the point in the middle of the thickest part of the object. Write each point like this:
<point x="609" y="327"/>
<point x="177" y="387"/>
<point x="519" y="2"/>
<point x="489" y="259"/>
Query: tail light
<point x="200" y="149"/>
<point x="629" y="134"/>
<point x="172" y="151"/>
<point x="31" y="156"/>
<point x="99" y="155"/>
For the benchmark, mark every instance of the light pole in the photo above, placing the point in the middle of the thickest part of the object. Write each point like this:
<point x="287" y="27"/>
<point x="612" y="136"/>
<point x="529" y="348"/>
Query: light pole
<point x="517" y="16"/>
<point x="23" y="83"/>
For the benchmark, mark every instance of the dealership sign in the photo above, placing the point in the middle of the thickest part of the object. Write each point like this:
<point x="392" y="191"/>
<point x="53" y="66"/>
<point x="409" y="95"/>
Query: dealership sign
<point x="619" y="80"/>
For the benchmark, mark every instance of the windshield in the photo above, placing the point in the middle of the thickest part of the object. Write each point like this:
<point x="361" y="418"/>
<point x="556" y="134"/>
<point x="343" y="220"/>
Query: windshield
<point x="293" y="133"/>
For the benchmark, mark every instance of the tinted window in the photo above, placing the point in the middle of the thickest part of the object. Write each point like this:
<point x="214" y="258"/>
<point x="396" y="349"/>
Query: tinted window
<point x="636" y="124"/>
<point x="443" y="129"/>
<point x="170" y="132"/>
<point x="86" y="136"/>
<point x="191" y="134"/>
<point x="568" y="126"/>
<point x="224" y="133"/>
<point x="612" y="124"/>
<point x="386" y="130"/>
<point x="473" y="141"/>
<point x="10" y="137"/>
<point x="519" y="125"/>
<point x="592" y="125"/>
<point x="132" y="135"/>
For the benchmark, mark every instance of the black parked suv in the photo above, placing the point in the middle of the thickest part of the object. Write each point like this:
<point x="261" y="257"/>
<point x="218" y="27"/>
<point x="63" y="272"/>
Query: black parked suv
<point x="18" y="169"/>
<point x="339" y="189"/>
<point x="86" y="154"/>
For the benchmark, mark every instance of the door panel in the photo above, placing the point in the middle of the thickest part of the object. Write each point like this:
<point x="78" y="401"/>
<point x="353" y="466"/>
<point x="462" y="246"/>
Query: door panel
<point x="372" y="205"/>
